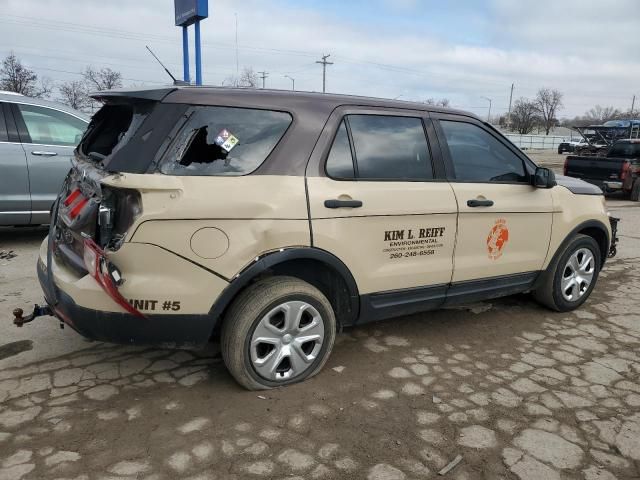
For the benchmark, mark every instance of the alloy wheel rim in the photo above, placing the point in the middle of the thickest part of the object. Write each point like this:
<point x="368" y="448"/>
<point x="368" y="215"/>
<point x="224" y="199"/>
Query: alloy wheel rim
<point x="286" y="341"/>
<point x="578" y="274"/>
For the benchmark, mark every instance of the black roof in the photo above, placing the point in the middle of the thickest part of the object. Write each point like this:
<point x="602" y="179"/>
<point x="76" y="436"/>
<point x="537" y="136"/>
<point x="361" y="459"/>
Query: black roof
<point x="209" y="95"/>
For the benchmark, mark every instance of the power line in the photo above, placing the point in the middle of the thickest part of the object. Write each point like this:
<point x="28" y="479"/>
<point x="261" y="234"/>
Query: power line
<point x="324" y="71"/>
<point x="146" y="38"/>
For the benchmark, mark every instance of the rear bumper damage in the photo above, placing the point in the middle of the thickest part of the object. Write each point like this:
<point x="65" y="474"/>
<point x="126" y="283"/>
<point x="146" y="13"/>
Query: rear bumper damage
<point x="124" y="328"/>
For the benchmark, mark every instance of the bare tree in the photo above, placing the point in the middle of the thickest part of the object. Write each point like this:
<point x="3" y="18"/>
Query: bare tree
<point x="524" y="116"/>
<point x="74" y="94"/>
<point x="15" y="77"/>
<point x="600" y="114"/>
<point x="248" y="78"/>
<point x="443" y="102"/>
<point x="548" y="102"/>
<point x="45" y="87"/>
<point x="103" y="79"/>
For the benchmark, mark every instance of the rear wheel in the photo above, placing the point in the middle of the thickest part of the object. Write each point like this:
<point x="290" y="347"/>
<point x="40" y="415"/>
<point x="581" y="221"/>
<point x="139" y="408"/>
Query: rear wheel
<point x="569" y="281"/>
<point x="279" y="331"/>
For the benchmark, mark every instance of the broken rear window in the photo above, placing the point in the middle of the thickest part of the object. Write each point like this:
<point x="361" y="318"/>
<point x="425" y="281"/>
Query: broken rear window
<point x="225" y="141"/>
<point x="111" y="128"/>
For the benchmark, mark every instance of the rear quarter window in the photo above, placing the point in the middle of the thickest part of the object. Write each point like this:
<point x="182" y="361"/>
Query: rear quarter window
<point x="225" y="141"/>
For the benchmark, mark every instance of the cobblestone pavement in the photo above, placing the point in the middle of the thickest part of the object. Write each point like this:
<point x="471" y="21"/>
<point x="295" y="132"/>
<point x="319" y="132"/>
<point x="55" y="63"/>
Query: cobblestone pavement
<point x="517" y="391"/>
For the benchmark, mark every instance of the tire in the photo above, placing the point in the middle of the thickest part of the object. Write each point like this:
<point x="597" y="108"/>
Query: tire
<point x="550" y="292"/>
<point x="635" y="191"/>
<point x="560" y="151"/>
<point x="265" y="307"/>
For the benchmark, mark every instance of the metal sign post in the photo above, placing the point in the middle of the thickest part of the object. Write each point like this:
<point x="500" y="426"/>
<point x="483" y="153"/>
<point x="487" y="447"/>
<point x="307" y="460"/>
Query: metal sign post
<point x="185" y="53"/>
<point x="190" y="12"/>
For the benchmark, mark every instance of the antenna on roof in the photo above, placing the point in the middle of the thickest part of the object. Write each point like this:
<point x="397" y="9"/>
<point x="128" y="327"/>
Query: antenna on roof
<point x="175" y="81"/>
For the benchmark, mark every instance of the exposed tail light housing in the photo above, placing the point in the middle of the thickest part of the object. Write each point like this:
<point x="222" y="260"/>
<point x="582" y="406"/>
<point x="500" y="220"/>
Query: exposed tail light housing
<point x="78" y="207"/>
<point x="72" y="197"/>
<point x="118" y="210"/>
<point x="106" y="274"/>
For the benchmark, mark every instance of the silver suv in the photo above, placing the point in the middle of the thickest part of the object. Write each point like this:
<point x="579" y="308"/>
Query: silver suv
<point x="37" y="138"/>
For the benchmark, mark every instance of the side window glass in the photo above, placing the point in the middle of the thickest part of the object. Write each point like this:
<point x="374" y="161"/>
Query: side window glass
<point x="478" y="156"/>
<point x="225" y="141"/>
<point x="51" y="127"/>
<point x="340" y="161"/>
<point x="390" y="148"/>
<point x="4" y="137"/>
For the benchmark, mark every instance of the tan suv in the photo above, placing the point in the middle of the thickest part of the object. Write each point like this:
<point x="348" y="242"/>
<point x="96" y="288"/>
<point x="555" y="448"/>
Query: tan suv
<point x="275" y="219"/>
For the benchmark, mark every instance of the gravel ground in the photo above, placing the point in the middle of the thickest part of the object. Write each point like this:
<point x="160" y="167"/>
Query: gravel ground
<point x="515" y="390"/>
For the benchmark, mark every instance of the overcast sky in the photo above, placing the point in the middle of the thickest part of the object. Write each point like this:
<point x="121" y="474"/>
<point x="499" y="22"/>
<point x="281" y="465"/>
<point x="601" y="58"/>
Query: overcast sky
<point x="463" y="50"/>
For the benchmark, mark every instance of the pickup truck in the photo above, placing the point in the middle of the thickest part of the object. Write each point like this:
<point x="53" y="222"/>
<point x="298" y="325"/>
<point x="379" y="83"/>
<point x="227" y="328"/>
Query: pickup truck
<point x="571" y="145"/>
<point x="618" y="170"/>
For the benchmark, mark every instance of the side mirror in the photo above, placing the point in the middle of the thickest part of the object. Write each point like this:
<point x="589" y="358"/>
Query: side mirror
<point x="544" y="178"/>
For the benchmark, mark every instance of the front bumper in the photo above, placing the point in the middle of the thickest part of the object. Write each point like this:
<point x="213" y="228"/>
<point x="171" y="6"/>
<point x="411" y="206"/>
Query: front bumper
<point x="612" y="186"/>
<point x="190" y="330"/>
<point x="613" y="247"/>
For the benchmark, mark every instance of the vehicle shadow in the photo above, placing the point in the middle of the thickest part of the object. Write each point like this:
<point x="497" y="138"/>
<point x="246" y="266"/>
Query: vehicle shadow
<point x="15" y="234"/>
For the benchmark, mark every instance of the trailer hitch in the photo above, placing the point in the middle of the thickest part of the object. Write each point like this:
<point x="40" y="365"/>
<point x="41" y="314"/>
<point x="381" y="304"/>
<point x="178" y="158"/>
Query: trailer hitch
<point x="38" y="311"/>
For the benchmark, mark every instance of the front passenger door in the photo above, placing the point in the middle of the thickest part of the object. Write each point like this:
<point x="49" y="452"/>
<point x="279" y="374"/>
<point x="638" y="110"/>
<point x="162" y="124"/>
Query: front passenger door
<point x="504" y="223"/>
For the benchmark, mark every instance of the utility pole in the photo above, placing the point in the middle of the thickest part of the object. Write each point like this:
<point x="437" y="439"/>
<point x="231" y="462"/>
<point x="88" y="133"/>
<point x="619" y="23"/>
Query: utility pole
<point x="293" y="82"/>
<point x="324" y="71"/>
<point x="237" y="56"/>
<point x="263" y="76"/>
<point x="509" y="113"/>
<point x="633" y="104"/>
<point x="489" y="114"/>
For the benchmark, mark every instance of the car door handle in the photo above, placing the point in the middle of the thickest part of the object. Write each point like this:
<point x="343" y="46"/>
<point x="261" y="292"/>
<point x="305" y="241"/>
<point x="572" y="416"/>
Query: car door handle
<point x="44" y="154"/>
<point x="342" y="203"/>
<point x="479" y="203"/>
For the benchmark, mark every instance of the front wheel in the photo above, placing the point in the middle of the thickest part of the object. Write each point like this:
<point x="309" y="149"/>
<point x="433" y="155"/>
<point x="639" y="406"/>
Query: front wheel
<point x="569" y="280"/>
<point x="278" y="331"/>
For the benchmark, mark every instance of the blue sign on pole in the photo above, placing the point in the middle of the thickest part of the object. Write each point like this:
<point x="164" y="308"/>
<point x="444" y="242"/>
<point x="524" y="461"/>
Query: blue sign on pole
<point x="189" y="12"/>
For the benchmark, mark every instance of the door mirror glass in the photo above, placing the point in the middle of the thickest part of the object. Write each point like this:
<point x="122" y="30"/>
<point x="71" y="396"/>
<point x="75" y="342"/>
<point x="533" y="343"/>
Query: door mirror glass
<point x="544" y="178"/>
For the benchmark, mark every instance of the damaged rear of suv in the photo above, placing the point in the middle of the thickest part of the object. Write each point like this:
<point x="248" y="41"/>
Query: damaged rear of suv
<point x="131" y="256"/>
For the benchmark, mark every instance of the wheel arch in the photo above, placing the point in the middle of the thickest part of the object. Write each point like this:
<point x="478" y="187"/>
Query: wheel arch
<point x="601" y="235"/>
<point x="592" y="228"/>
<point x="320" y="268"/>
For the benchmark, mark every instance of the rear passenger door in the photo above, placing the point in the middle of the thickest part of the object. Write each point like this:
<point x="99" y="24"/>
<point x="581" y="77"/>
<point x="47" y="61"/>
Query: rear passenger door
<point x="504" y="223"/>
<point x="15" y="202"/>
<point x="49" y="137"/>
<point x="380" y="203"/>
